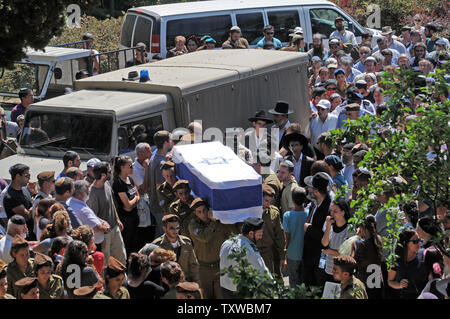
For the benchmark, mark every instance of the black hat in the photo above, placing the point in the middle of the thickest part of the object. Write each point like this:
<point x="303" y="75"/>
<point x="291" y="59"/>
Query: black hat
<point x="349" y="146"/>
<point x="253" y="223"/>
<point x="132" y="76"/>
<point x="281" y="108"/>
<point x="260" y="116"/>
<point x="17" y="220"/>
<point x="330" y="81"/>
<point x="319" y="181"/>
<point x="295" y="137"/>
<point x="429" y="225"/>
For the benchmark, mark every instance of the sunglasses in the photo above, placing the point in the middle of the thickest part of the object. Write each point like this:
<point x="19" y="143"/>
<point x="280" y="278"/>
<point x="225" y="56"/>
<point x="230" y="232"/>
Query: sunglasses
<point x="415" y="241"/>
<point x="2" y="115"/>
<point x="131" y="165"/>
<point x="331" y="89"/>
<point x="364" y="53"/>
<point x="270" y="33"/>
<point x="175" y="228"/>
<point x="417" y="20"/>
<point x="27" y="175"/>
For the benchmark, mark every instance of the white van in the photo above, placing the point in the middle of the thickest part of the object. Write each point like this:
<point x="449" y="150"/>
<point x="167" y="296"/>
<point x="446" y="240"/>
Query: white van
<point x="157" y="26"/>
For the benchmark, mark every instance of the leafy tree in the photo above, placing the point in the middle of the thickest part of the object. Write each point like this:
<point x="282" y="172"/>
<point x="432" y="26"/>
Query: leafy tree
<point x="251" y="284"/>
<point x="31" y="23"/>
<point x="415" y="148"/>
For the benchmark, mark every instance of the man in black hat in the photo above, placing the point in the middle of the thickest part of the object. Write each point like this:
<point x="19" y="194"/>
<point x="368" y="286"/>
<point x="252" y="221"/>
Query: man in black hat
<point x="250" y="234"/>
<point x="259" y="140"/>
<point x="297" y="143"/>
<point x="280" y="114"/>
<point x="318" y="188"/>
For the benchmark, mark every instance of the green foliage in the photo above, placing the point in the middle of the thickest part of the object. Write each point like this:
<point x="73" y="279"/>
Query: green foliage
<point x="416" y="149"/>
<point x="31" y="23"/>
<point x="251" y="284"/>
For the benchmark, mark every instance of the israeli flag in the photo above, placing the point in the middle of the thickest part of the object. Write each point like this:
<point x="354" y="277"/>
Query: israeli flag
<point x="232" y="188"/>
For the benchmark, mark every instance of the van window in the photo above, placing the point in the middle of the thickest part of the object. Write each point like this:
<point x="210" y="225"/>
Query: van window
<point x="322" y="21"/>
<point x="133" y="133"/>
<point x="215" y="26"/>
<point x="282" y="21"/>
<point x="252" y="25"/>
<point x="127" y="30"/>
<point x="142" y="31"/>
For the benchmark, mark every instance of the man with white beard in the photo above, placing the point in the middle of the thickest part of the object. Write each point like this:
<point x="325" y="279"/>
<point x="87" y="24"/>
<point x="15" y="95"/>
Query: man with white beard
<point x="16" y="226"/>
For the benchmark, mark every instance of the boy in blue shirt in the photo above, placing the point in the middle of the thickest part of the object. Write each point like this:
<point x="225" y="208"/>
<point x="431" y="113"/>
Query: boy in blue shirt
<point x="269" y="31"/>
<point x="293" y="224"/>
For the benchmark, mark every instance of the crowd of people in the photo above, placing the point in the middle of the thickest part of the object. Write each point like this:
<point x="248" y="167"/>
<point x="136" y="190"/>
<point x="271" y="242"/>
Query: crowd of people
<point x="134" y="229"/>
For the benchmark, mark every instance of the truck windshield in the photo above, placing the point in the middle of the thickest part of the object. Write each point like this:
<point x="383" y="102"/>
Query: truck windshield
<point x="23" y="75"/>
<point x="83" y="133"/>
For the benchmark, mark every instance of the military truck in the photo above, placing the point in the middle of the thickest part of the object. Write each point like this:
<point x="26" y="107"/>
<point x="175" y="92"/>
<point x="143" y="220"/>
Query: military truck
<point x="109" y="113"/>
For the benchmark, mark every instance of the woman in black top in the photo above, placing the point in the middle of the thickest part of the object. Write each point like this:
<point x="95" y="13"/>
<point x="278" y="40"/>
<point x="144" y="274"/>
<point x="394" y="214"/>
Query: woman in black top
<point x="409" y="277"/>
<point x="126" y="197"/>
<point x="368" y="253"/>
<point x="138" y="285"/>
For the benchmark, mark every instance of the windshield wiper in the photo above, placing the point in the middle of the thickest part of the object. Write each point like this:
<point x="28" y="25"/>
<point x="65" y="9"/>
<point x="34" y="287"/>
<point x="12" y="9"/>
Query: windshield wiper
<point x="83" y="149"/>
<point x="58" y="139"/>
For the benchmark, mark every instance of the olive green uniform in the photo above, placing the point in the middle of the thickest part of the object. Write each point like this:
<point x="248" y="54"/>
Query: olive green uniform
<point x="13" y="274"/>
<point x="122" y="293"/>
<point x="185" y="213"/>
<point x="166" y="196"/>
<point x="353" y="289"/>
<point x="273" y="181"/>
<point x="54" y="289"/>
<point x="185" y="255"/>
<point x="286" y="202"/>
<point x="208" y="238"/>
<point x="272" y="245"/>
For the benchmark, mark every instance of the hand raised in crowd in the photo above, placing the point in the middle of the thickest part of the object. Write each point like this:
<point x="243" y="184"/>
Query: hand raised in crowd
<point x="404" y="283"/>
<point x="32" y="188"/>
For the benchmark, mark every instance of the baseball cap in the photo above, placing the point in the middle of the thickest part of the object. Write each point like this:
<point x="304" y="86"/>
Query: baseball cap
<point x="298" y="30"/>
<point x="325" y="104"/>
<point x="338" y="70"/>
<point x="371" y="58"/>
<point x="235" y="28"/>
<point x="93" y="162"/>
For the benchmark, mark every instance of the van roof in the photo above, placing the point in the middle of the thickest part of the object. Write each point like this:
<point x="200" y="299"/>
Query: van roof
<point x="124" y="105"/>
<point x="189" y="73"/>
<point x="164" y="10"/>
<point x="56" y="54"/>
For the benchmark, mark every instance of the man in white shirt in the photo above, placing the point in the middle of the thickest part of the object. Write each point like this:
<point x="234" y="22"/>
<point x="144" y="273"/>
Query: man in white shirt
<point x="324" y="122"/>
<point x="345" y="35"/>
<point x="146" y="233"/>
<point x="85" y="214"/>
<point x="16" y="226"/>
<point x="251" y="232"/>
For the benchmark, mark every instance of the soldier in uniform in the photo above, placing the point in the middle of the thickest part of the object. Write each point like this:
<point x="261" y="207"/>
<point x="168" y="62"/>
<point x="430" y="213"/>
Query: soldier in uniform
<point x="114" y="277"/>
<point x="351" y="287"/>
<point x="180" y="245"/>
<point x="4" y="282"/>
<point x="208" y="234"/>
<point x="50" y="286"/>
<point x="270" y="179"/>
<point x="27" y="288"/>
<point x="21" y="266"/>
<point x="181" y="207"/>
<point x="272" y="245"/>
<point x="165" y="193"/>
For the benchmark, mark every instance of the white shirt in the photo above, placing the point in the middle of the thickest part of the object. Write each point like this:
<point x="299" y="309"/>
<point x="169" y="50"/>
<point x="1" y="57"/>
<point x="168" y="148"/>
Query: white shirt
<point x="317" y="127"/>
<point x="5" y="248"/>
<point x="86" y="216"/>
<point x="252" y="255"/>
<point x="348" y="36"/>
<point x="143" y="206"/>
